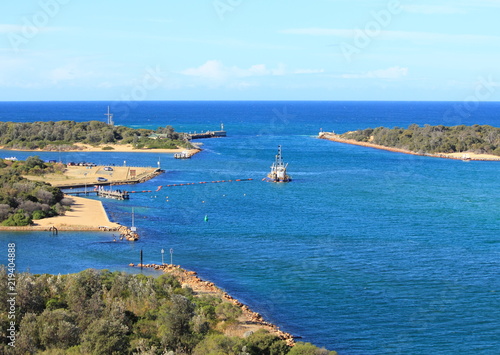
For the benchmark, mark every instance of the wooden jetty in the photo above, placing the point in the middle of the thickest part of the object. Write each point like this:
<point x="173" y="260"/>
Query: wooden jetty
<point x="208" y="134"/>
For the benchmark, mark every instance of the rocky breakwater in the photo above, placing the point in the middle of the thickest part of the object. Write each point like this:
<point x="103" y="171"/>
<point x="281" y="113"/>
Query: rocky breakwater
<point x="149" y="175"/>
<point x="128" y="234"/>
<point x="249" y="321"/>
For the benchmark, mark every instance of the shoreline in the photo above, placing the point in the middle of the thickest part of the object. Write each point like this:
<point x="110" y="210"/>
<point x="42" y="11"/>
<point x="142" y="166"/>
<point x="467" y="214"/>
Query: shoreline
<point x="85" y="215"/>
<point x="248" y="321"/>
<point x="454" y="156"/>
<point x="117" y="148"/>
<point x="80" y="176"/>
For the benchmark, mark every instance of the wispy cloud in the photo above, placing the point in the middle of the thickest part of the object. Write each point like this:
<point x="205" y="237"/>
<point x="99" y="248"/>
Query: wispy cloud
<point x="392" y="35"/>
<point x="6" y="28"/>
<point x="392" y="73"/>
<point x="481" y="3"/>
<point x="317" y="31"/>
<point x="434" y="9"/>
<point x="217" y="71"/>
<point x="64" y="73"/>
<point x="309" y="71"/>
<point x="9" y="28"/>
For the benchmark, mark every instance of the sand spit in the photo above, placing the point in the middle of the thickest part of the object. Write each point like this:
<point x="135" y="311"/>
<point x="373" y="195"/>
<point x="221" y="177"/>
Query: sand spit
<point x="456" y="156"/>
<point x="85" y="215"/>
<point x="120" y="148"/>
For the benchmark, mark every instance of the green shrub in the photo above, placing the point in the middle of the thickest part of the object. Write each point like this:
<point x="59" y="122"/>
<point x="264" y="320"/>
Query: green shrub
<point x="39" y="214"/>
<point x="309" y="349"/>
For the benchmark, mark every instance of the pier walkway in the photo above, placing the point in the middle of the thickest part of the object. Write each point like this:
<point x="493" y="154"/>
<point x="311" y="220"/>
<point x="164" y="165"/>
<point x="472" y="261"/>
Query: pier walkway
<point x="116" y="194"/>
<point x="208" y="134"/>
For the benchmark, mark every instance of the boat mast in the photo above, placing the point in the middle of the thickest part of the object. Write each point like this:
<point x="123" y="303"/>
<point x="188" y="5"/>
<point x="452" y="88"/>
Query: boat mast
<point x="279" y="158"/>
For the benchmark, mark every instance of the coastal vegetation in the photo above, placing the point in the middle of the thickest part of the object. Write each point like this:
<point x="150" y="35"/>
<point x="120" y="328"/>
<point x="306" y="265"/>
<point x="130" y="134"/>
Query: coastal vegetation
<point x="481" y="139"/>
<point x="103" y="312"/>
<point x="22" y="200"/>
<point x="62" y="135"/>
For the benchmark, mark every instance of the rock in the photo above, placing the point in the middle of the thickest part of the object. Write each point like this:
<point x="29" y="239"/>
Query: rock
<point x="247" y="334"/>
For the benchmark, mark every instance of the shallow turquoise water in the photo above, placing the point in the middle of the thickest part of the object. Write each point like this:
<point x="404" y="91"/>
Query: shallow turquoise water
<point x="365" y="252"/>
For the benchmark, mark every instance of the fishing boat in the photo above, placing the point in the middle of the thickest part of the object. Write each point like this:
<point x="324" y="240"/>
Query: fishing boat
<point x="278" y="169"/>
<point x="11" y="158"/>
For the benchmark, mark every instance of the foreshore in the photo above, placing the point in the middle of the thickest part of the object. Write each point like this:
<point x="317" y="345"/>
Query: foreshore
<point x="120" y="148"/>
<point x="248" y="321"/>
<point x="456" y="156"/>
<point x="85" y="215"/>
<point x="81" y="176"/>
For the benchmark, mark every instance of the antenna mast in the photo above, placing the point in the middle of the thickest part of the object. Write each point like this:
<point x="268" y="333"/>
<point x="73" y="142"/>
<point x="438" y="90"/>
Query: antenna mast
<point x="110" y="118"/>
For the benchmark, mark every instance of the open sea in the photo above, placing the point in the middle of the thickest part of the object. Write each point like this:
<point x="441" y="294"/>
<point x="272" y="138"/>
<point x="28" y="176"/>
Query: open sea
<point x="365" y="252"/>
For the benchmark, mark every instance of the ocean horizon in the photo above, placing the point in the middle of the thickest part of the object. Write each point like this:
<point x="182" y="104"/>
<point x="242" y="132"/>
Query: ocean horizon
<point x="364" y="252"/>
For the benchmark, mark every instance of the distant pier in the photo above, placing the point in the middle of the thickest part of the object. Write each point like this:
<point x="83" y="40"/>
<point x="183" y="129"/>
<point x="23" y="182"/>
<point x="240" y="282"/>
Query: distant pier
<point x="116" y="194"/>
<point x="208" y="134"/>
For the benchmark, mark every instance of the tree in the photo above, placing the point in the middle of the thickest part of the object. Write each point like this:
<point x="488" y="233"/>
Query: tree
<point x="84" y="292"/>
<point x="175" y="331"/>
<point x="105" y="337"/>
<point x="57" y="329"/>
<point x="34" y="162"/>
<point x="28" y="340"/>
<point x="29" y="291"/>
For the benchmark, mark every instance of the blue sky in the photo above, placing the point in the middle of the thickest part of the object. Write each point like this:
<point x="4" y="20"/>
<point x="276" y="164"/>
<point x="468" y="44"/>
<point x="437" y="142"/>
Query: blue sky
<point x="250" y="50"/>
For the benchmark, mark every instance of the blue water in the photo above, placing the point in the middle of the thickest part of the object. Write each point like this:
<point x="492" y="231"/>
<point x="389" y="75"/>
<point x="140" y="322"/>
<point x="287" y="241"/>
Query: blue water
<point x="365" y="252"/>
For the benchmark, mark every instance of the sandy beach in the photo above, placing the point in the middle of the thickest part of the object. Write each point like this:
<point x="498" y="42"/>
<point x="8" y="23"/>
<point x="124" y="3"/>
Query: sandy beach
<point x="127" y="148"/>
<point x="456" y="156"/>
<point x="121" y="148"/>
<point x="84" y="215"/>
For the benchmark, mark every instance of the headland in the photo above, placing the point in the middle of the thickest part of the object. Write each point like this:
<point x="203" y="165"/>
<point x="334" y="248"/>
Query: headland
<point x="456" y="156"/>
<point x="249" y="321"/>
